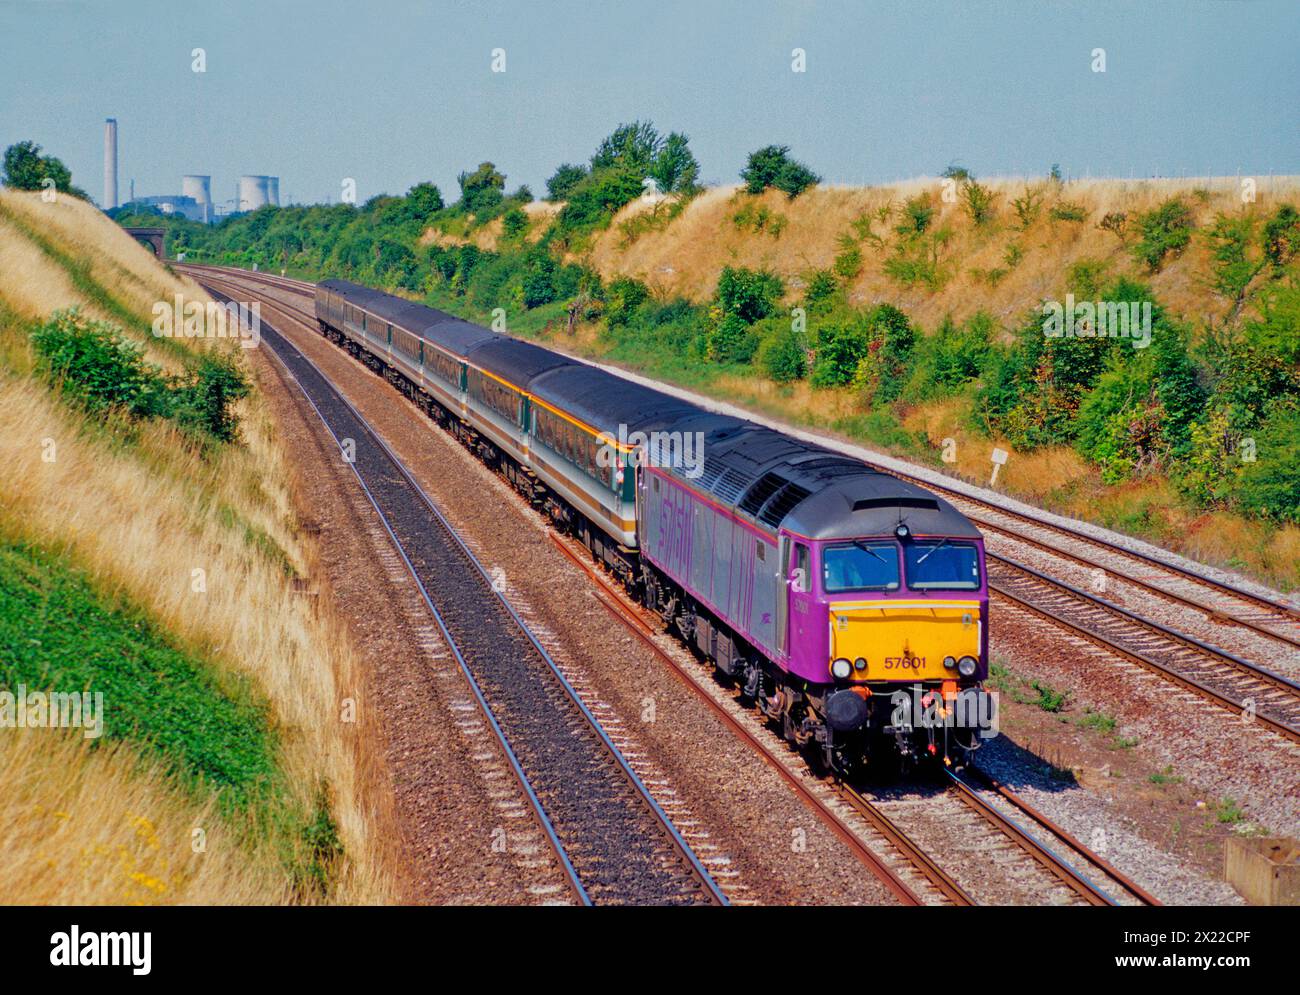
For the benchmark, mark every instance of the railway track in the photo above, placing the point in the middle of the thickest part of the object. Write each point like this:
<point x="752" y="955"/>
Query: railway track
<point x="1227" y="680"/>
<point x="615" y="842"/>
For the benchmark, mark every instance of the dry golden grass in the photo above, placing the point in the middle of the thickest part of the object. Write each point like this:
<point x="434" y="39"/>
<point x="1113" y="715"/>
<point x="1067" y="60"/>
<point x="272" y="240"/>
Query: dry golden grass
<point x="81" y="826"/>
<point x="796" y="402"/>
<point x="686" y="256"/>
<point x="142" y="519"/>
<point x="117" y="262"/>
<point x="31" y="279"/>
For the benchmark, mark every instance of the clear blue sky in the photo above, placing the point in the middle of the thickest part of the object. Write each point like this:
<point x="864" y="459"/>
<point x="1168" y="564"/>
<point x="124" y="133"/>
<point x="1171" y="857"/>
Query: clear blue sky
<point x="392" y="93"/>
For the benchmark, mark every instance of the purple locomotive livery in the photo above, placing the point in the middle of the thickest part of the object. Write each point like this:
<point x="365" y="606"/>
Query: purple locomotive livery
<point x="832" y="592"/>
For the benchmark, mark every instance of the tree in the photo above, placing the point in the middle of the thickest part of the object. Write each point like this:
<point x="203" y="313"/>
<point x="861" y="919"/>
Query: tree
<point x="771" y="166"/>
<point x="633" y="146"/>
<point x="423" y="201"/>
<point x="674" y="169"/>
<point x="482" y="189"/>
<point x="563" y="180"/>
<point x="26" y="169"/>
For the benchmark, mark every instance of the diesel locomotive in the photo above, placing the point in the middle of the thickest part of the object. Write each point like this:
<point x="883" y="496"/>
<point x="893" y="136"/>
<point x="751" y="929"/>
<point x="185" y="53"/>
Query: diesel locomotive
<point x="850" y="607"/>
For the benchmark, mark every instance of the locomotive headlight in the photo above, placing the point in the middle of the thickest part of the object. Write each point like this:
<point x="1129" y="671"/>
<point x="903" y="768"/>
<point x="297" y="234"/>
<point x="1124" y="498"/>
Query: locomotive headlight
<point x="841" y="668"/>
<point x="950" y="663"/>
<point x="902" y="531"/>
<point x="860" y="664"/>
<point x="966" y="666"/>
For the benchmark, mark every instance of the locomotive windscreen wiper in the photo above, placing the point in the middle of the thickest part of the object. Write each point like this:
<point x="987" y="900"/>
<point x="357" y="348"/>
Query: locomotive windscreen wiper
<point x="867" y="549"/>
<point x="933" y="549"/>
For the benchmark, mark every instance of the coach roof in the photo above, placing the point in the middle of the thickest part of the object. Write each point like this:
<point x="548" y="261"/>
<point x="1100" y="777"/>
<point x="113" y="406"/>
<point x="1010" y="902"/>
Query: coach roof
<point x="514" y="360"/>
<point x="606" y="401"/>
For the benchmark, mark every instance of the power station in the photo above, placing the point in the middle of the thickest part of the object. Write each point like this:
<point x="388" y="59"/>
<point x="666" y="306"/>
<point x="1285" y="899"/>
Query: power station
<point x="195" y="199"/>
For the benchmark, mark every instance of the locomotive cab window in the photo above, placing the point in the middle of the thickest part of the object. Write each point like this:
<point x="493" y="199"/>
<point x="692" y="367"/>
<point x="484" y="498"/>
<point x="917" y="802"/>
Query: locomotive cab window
<point x="942" y="565"/>
<point x="800" y="582"/>
<point x="860" y="566"/>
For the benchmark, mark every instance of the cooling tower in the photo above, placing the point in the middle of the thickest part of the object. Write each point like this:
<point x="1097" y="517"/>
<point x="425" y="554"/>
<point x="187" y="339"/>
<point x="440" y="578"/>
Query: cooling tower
<point x="200" y="188"/>
<point x="110" y="163"/>
<point x="273" y="188"/>
<point x="254" y="192"/>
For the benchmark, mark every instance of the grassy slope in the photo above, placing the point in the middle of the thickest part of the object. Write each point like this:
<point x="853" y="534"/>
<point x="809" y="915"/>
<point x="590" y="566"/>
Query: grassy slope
<point x="101" y="548"/>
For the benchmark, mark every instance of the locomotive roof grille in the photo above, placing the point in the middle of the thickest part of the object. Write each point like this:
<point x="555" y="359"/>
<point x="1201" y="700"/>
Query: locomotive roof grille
<point x="756" y="496"/>
<point x="781" y="504"/>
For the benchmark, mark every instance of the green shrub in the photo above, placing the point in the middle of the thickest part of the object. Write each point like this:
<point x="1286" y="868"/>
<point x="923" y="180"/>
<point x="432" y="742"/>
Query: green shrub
<point x="1028" y="206"/>
<point x="1166" y="230"/>
<point x="1276" y="332"/>
<point x="204" y="398"/>
<point x="840" y="348"/>
<point x="759" y="219"/>
<point x="1231" y="241"/>
<point x="514" y="222"/>
<point x="882" y="370"/>
<point x="1282" y="236"/>
<point x="596" y="198"/>
<point x="1084" y="278"/>
<point x="1068" y="211"/>
<point x="783" y="355"/>
<point x="821" y="292"/>
<point x="93" y="364"/>
<point x="917" y="260"/>
<point x="848" y="263"/>
<point x="538" y="284"/>
<point x="482" y="190"/>
<point x="1270" y="485"/>
<point x="732" y="340"/>
<point x="771" y="166"/>
<point x="977" y="200"/>
<point x="622" y="299"/>
<point x="748" y="294"/>
<point x="918" y="212"/>
<point x="956" y="354"/>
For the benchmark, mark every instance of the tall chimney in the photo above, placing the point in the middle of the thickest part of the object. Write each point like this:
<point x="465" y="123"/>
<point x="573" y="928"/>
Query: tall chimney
<point x="110" y="163"/>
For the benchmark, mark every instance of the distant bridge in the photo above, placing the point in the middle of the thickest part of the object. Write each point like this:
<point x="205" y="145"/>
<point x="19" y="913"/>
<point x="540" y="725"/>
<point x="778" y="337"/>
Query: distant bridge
<point x="153" y="237"/>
